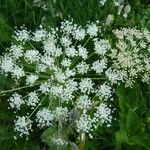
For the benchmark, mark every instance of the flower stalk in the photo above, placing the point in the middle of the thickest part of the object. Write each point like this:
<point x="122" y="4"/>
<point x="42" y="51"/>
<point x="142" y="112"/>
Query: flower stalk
<point x="82" y="140"/>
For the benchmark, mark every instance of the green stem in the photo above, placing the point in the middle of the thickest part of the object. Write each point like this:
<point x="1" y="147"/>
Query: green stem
<point x="37" y="106"/>
<point x="82" y="140"/>
<point x="86" y="41"/>
<point x="90" y="78"/>
<point x="91" y="55"/>
<point x="17" y="89"/>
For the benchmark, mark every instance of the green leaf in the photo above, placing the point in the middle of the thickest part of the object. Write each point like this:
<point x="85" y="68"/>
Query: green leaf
<point x="142" y="140"/>
<point x="47" y="135"/>
<point x="121" y="136"/>
<point x="121" y="92"/>
<point x="133" y="123"/>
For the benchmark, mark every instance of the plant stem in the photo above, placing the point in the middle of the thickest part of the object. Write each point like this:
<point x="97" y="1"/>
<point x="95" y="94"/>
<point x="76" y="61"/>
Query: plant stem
<point x="82" y="140"/>
<point x="17" y="89"/>
<point x="37" y="106"/>
<point x="90" y="78"/>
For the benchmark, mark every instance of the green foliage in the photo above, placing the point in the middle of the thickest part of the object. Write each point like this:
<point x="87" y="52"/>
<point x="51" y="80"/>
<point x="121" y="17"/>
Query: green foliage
<point x="133" y="131"/>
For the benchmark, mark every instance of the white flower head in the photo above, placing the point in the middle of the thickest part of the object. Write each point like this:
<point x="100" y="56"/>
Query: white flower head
<point x="32" y="99"/>
<point x="86" y="86"/>
<point x="22" y="35"/>
<point x="104" y="91"/>
<point x="101" y="46"/>
<point x="23" y="126"/>
<point x="16" y="51"/>
<point x="32" y="55"/>
<point x="103" y="115"/>
<point x="71" y="51"/>
<point x="84" y="123"/>
<point x="16" y="101"/>
<point x="30" y="80"/>
<point x="99" y="66"/>
<point x="82" y="68"/>
<point x="79" y="33"/>
<point x="39" y="34"/>
<point x="82" y="51"/>
<point x="44" y="118"/>
<point x="83" y="103"/>
<point x="65" y="41"/>
<point x="18" y="72"/>
<point x="61" y="114"/>
<point x="7" y="64"/>
<point x="92" y="29"/>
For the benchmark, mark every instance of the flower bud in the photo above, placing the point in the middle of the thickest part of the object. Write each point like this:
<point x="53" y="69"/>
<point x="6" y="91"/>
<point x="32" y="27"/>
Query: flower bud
<point x="120" y="9"/>
<point x="103" y="2"/>
<point x="109" y="19"/>
<point x="127" y="9"/>
<point x="118" y="2"/>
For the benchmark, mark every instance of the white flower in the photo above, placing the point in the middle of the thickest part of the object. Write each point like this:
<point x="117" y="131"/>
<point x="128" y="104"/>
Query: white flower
<point x="59" y="141"/>
<point x="79" y="33"/>
<point x="23" y="126"/>
<point x="66" y="62"/>
<point x="22" y="35"/>
<point x="146" y="78"/>
<point x="83" y="103"/>
<point x="16" y="101"/>
<point x="82" y="68"/>
<point x="31" y="79"/>
<point x="48" y="61"/>
<point x="18" y="72"/>
<point x="92" y="29"/>
<point x="61" y="114"/>
<point x="82" y="52"/>
<point x="32" y="55"/>
<point x="39" y="34"/>
<point x="7" y="64"/>
<point x="102" y="115"/>
<point x="104" y="91"/>
<point x="114" y="75"/>
<point x="57" y="91"/>
<point x="67" y="26"/>
<point x="32" y="99"/>
<point x="86" y="85"/>
<point x="71" y="51"/>
<point x="62" y="68"/>
<point x="70" y="72"/>
<point x="41" y="68"/>
<point x="65" y="41"/>
<point x="101" y="46"/>
<point x="17" y="51"/>
<point x="45" y="88"/>
<point x="99" y="66"/>
<point x="44" y="118"/>
<point x="84" y="123"/>
<point x="51" y="49"/>
<point x="59" y="76"/>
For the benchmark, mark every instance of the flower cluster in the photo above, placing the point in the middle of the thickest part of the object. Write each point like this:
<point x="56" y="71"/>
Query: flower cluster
<point x="58" y="71"/>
